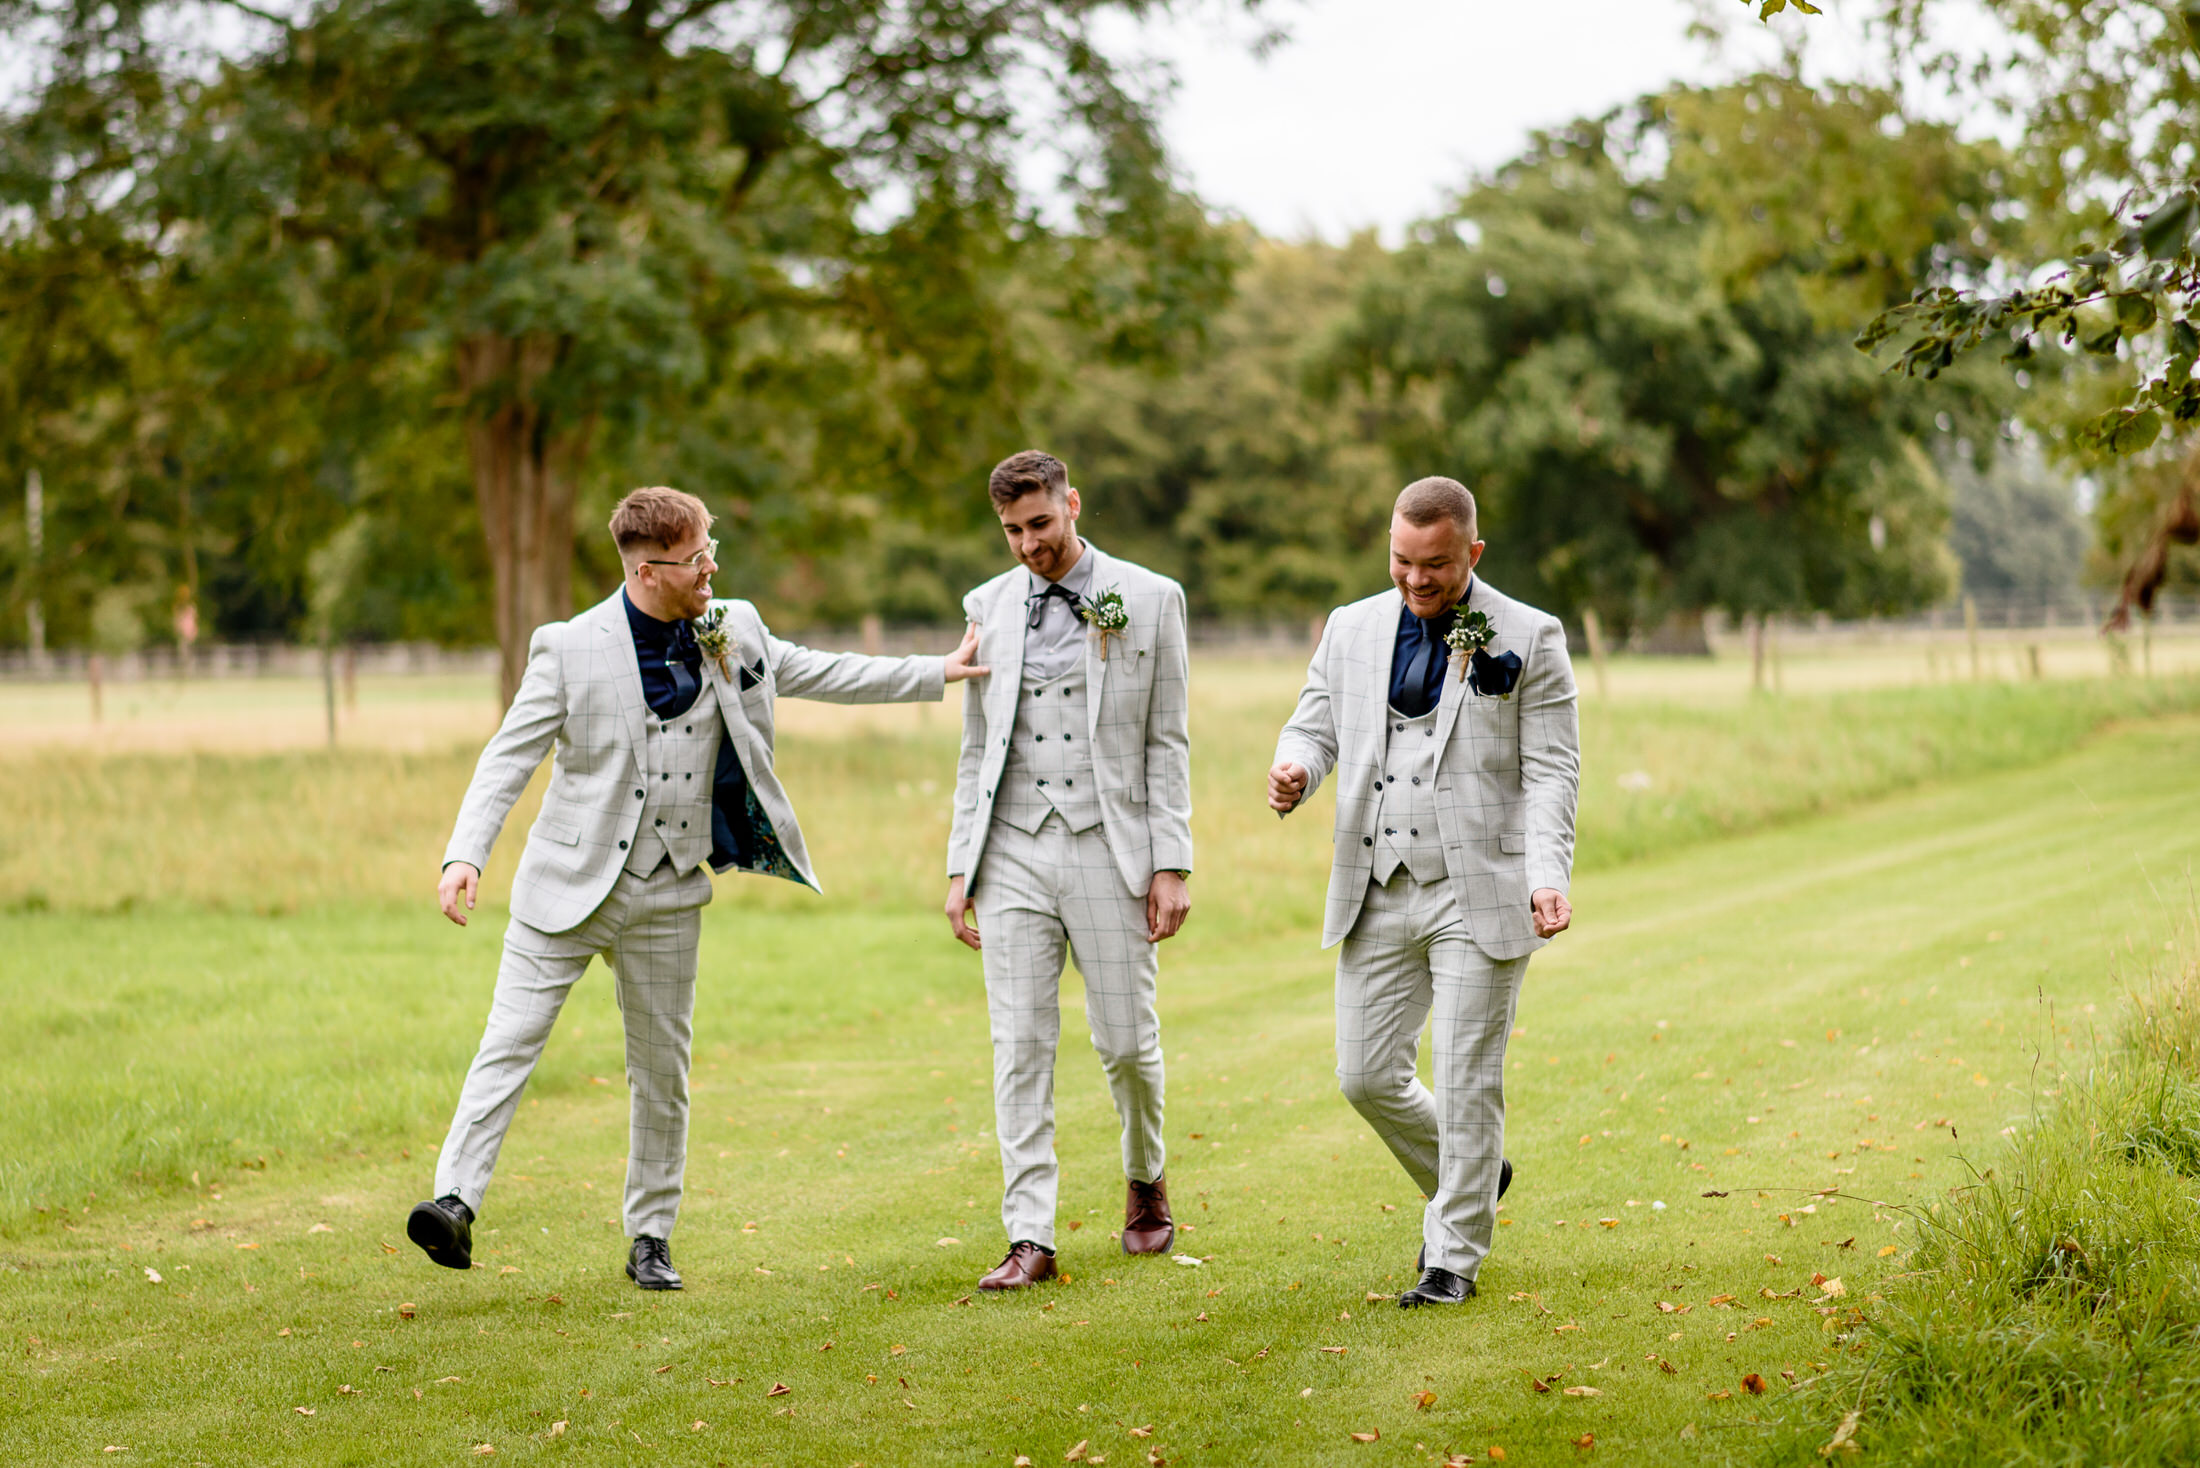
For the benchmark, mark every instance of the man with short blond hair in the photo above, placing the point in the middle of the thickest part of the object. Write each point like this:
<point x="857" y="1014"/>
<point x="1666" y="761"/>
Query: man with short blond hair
<point x="1072" y="837"/>
<point x="1446" y="711"/>
<point x="658" y="703"/>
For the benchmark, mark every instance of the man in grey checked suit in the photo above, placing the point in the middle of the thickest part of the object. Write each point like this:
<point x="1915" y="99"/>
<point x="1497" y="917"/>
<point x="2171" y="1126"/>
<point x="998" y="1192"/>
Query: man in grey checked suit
<point x="1457" y="779"/>
<point x="1072" y="831"/>
<point x="661" y="738"/>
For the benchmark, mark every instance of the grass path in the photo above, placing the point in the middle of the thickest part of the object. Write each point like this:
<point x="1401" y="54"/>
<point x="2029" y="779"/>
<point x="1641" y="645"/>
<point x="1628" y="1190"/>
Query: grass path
<point x="1854" y="1002"/>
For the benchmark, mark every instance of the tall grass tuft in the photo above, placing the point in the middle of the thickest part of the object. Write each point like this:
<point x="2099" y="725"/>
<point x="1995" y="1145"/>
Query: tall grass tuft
<point x="2050" y="1313"/>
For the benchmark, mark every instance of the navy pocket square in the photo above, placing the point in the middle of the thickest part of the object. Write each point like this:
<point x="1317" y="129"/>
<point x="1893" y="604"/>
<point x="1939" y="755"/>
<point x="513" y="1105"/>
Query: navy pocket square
<point x="751" y="679"/>
<point x="1493" y="677"/>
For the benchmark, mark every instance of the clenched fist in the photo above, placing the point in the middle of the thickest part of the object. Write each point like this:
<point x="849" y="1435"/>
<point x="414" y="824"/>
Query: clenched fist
<point x="1286" y="787"/>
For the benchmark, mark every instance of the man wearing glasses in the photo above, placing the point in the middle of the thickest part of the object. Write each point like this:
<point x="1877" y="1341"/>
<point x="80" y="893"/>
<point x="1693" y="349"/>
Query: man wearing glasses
<point x="662" y="726"/>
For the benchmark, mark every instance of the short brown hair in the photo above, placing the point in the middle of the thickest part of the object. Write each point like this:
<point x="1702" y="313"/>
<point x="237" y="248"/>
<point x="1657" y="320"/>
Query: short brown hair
<point x="657" y="516"/>
<point x="1024" y="473"/>
<point x="1426" y="501"/>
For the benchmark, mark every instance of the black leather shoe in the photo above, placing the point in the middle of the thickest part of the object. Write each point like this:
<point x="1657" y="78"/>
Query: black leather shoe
<point x="444" y="1227"/>
<point x="649" y="1264"/>
<point x="1437" y="1287"/>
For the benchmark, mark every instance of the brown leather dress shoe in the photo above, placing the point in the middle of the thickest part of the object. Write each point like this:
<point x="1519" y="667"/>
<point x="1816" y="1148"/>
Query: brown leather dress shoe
<point x="1027" y="1264"/>
<point x="1147" y="1226"/>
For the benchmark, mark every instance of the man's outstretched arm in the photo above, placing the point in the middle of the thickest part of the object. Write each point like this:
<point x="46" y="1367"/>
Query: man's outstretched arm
<point x="507" y="763"/>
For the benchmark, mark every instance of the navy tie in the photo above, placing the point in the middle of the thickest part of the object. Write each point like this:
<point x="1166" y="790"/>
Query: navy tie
<point x="681" y="651"/>
<point x="1417" y="671"/>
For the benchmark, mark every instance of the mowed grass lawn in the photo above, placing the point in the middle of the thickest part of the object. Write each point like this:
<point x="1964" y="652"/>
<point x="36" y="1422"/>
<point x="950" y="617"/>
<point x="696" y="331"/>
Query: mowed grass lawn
<point x="219" y="1110"/>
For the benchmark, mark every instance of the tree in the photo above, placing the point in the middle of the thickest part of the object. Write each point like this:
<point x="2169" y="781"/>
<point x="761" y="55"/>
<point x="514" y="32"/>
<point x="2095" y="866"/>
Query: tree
<point x="1626" y="340"/>
<point x="2109" y="101"/>
<point x="557" y="223"/>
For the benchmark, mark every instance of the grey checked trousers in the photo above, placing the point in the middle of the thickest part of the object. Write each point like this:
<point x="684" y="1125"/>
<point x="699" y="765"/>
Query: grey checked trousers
<point x="1039" y="896"/>
<point x="647" y="930"/>
<point x="1410" y="952"/>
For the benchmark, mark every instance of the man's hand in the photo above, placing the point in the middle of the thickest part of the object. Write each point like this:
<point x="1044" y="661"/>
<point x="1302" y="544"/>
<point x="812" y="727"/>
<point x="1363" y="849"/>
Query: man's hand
<point x="1552" y="913"/>
<point x="960" y="910"/>
<point x="1286" y="787"/>
<point x="1168" y="901"/>
<point x="957" y="666"/>
<point x="460" y="880"/>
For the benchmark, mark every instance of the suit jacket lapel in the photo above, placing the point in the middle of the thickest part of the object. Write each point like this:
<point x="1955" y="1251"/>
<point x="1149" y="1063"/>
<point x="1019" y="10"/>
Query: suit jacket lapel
<point x="1096" y="662"/>
<point x="1006" y="656"/>
<point x="627" y="669"/>
<point x="1455" y="685"/>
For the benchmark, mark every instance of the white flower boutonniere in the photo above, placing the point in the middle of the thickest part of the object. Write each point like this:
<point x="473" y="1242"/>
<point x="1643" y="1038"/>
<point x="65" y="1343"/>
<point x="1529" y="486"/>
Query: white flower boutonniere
<point x="1470" y="633"/>
<point x="712" y="638"/>
<point x="1106" y="615"/>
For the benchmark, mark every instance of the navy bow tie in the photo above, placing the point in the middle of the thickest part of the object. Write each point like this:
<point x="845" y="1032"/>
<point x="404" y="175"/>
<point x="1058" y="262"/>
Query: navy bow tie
<point x="1037" y="601"/>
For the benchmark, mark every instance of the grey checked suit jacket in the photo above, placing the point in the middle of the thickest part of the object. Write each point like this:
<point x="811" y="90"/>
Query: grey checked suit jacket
<point x="1508" y="771"/>
<point x="1139" y="702"/>
<point x="582" y="696"/>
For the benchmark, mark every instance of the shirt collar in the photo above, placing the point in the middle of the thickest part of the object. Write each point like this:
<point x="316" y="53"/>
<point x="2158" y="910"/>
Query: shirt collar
<point x="647" y="629"/>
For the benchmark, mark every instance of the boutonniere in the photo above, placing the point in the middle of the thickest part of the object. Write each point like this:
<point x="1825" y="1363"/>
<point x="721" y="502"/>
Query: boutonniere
<point x="712" y="638"/>
<point x="1469" y="640"/>
<point x="1106" y="615"/>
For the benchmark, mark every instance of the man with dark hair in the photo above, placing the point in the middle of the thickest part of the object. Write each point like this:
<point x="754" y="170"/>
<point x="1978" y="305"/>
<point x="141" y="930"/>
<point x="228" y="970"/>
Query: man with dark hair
<point x="658" y="702"/>
<point x="1072" y="835"/>
<point x="1446" y="711"/>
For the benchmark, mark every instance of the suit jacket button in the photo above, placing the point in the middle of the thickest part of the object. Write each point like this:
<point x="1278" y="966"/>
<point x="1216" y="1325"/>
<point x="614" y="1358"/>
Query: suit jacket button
<point x="1364" y="841"/>
<point x="687" y="729"/>
<point x="660" y="820"/>
<point x="668" y="774"/>
<point x="1414" y="832"/>
<point x="683" y="825"/>
<point x="1416" y="779"/>
<point x="1069" y="782"/>
<point x="622" y="846"/>
<point x="637" y="795"/>
<point x="1389" y="831"/>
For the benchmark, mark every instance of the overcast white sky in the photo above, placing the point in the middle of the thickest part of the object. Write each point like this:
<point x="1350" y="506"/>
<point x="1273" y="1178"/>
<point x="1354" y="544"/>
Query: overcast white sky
<point x="1375" y="108"/>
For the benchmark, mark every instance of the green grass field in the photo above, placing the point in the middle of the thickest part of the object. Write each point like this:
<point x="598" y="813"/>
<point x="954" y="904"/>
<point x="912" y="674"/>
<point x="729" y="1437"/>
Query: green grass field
<point x="1826" y="957"/>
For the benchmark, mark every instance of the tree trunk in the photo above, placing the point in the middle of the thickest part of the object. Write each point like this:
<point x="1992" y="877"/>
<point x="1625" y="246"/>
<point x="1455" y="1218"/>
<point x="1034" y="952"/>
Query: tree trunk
<point x="526" y="467"/>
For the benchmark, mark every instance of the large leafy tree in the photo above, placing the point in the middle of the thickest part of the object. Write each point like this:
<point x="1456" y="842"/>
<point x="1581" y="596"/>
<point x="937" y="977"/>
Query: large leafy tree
<point x="1632" y="340"/>
<point x="768" y="242"/>
<point x="2107" y="98"/>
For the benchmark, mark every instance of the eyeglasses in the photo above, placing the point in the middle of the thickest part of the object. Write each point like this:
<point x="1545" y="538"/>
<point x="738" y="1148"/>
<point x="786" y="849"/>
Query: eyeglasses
<point x="709" y="552"/>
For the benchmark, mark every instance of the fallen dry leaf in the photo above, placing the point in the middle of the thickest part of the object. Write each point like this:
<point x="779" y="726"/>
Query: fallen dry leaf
<point x="949" y="1243"/>
<point x="152" y="1276"/>
<point x="557" y="1429"/>
<point x="1720" y="1300"/>
<point x="320" y="1228"/>
<point x="1336" y="1350"/>
<point x="1889" y="1249"/>
<point x="1367" y="1437"/>
<point x="779" y="1389"/>
<point x="442" y="1379"/>
<point x="1142" y="1432"/>
<point x="1077" y="1453"/>
<point x="1834" y="1289"/>
<point x="408" y="1310"/>
<point x="1844" y="1437"/>
<point x="1753" y="1384"/>
<point x="485" y="1450"/>
<point x="1562" y="1329"/>
<point x="348" y="1391"/>
<point x="1582" y="1391"/>
<point x="1021" y="1462"/>
<point x="1422" y="1401"/>
<point x="698" y="1426"/>
<point x="1586" y="1440"/>
<point x="303" y="1411"/>
<point x="664" y="1368"/>
<point x="897" y="1350"/>
<point x="1497" y="1454"/>
<point x="1718" y="1396"/>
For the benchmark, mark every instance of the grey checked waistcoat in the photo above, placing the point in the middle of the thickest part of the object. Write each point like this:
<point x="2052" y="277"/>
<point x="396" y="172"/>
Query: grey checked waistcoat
<point x="1405" y="814"/>
<point x="681" y="757"/>
<point x="1049" y="767"/>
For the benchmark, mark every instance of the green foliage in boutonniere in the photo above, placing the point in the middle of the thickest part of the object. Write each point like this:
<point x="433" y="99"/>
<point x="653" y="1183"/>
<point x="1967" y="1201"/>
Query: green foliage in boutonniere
<point x="712" y="638"/>
<point x="1470" y="633"/>
<point x="1106" y="615"/>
